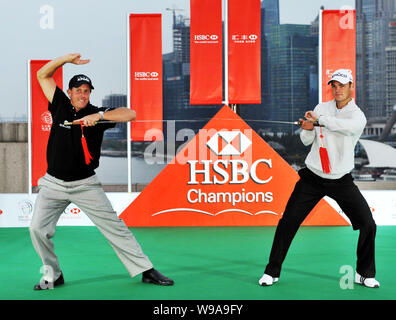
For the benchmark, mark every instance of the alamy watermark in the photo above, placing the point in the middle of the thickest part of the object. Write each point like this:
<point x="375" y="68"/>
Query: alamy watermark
<point x="47" y="280"/>
<point x="348" y="276"/>
<point x="208" y="144"/>
<point x="46" y="17"/>
<point x="347" y="21"/>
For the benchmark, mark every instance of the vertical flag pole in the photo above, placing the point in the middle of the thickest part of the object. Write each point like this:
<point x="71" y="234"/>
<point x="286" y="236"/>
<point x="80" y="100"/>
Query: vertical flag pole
<point x="129" y="158"/>
<point x="225" y="12"/>
<point x="320" y="56"/>
<point x="291" y="80"/>
<point x="29" y="104"/>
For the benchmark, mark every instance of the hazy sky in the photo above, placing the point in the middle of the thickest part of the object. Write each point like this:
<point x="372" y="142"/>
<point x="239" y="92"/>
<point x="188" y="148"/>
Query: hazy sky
<point x="97" y="29"/>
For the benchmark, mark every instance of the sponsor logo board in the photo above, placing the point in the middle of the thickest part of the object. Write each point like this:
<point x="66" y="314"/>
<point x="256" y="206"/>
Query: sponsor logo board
<point x="226" y="175"/>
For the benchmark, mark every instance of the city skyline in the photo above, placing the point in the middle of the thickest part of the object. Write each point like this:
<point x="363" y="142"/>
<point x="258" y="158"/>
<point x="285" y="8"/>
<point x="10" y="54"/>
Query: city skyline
<point x="32" y="35"/>
<point x="372" y="29"/>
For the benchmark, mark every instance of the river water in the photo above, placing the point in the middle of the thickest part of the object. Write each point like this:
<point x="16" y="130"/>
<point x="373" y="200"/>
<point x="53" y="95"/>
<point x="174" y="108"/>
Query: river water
<point x="114" y="170"/>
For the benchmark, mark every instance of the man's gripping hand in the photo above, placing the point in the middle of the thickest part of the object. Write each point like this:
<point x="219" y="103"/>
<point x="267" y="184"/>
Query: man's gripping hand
<point x="306" y="125"/>
<point x="311" y="116"/>
<point x="89" y="120"/>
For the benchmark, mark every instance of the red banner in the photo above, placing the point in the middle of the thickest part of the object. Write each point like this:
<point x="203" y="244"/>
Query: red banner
<point x="41" y="120"/>
<point x="244" y="41"/>
<point x="338" y="46"/>
<point x="146" y="76"/>
<point x="206" y="52"/>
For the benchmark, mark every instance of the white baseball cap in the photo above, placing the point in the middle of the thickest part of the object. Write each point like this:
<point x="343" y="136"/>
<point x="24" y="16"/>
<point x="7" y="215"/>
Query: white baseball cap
<point x="341" y="75"/>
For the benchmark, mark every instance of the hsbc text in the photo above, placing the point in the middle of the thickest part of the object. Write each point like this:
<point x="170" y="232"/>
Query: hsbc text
<point x="240" y="171"/>
<point x="212" y="37"/>
<point x="146" y="75"/>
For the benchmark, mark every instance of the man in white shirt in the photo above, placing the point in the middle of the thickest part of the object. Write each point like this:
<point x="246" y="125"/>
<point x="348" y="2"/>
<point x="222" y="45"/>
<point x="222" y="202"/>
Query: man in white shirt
<point x="339" y="125"/>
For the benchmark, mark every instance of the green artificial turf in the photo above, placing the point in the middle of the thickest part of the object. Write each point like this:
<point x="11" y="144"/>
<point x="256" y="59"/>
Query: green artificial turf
<point x="206" y="263"/>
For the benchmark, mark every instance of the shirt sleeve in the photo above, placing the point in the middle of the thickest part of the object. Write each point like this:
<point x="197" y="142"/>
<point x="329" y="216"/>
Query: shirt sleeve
<point x="351" y="125"/>
<point x="58" y="101"/>
<point x="307" y="137"/>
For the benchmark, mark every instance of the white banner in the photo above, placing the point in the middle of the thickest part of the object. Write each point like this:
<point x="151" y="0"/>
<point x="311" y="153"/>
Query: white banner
<point x="16" y="209"/>
<point x="382" y="204"/>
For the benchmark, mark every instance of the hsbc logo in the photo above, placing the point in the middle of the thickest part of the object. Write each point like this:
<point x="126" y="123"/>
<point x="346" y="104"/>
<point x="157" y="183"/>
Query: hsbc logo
<point x="235" y="142"/>
<point x="75" y="211"/>
<point x="233" y="171"/>
<point x="244" y="38"/>
<point x="72" y="210"/>
<point x="149" y="75"/>
<point x="146" y="74"/>
<point x="206" y="37"/>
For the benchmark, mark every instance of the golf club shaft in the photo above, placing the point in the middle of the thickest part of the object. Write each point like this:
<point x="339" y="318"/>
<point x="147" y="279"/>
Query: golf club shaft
<point x="297" y="123"/>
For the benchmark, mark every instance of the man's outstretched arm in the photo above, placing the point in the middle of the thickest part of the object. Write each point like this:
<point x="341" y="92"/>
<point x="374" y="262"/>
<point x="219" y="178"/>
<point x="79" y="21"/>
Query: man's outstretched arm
<point x="119" y="115"/>
<point x="45" y="74"/>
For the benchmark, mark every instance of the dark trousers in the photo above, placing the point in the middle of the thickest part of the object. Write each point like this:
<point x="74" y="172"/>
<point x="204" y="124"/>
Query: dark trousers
<point x="309" y="190"/>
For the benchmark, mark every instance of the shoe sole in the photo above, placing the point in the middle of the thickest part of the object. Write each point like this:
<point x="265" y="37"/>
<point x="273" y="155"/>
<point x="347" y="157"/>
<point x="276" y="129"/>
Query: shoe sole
<point x="362" y="284"/>
<point x="40" y="288"/>
<point x="268" y="285"/>
<point x="157" y="283"/>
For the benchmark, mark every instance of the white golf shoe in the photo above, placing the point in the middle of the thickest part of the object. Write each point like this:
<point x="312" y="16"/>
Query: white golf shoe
<point x="367" y="282"/>
<point x="267" y="280"/>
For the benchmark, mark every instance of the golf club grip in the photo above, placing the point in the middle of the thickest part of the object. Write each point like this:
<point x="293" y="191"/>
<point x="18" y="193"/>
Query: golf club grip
<point x="315" y="124"/>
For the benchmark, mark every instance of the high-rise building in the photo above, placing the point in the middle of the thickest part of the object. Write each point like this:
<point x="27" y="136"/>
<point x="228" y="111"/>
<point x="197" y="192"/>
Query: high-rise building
<point x="270" y="15"/>
<point x="269" y="18"/>
<point x="314" y="69"/>
<point x="181" y="38"/>
<point x="293" y="64"/>
<point x="175" y="93"/>
<point x="372" y="30"/>
<point x="315" y="24"/>
<point x="390" y="87"/>
<point x="115" y="100"/>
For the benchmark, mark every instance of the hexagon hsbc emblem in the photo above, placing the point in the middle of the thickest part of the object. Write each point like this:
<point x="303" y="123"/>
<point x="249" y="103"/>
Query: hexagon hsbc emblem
<point x="72" y="210"/>
<point x="227" y="175"/>
<point x="229" y="143"/>
<point x="75" y="210"/>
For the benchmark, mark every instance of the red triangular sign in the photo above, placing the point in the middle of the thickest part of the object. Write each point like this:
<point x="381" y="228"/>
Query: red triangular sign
<point x="230" y="184"/>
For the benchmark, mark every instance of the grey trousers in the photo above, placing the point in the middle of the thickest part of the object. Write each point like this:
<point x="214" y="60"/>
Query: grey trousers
<point x="53" y="198"/>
